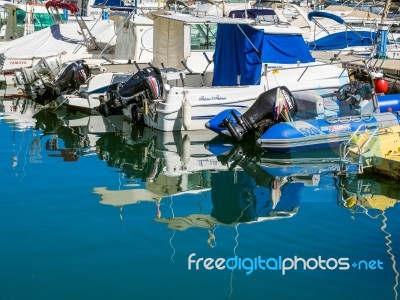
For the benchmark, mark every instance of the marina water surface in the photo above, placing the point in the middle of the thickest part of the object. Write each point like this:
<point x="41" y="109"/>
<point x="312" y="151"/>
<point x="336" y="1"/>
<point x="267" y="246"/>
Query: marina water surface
<point x="95" y="208"/>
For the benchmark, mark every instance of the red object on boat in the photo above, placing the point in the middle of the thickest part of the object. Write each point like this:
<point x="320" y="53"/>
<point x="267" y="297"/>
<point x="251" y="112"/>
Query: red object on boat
<point x="381" y="86"/>
<point x="72" y="7"/>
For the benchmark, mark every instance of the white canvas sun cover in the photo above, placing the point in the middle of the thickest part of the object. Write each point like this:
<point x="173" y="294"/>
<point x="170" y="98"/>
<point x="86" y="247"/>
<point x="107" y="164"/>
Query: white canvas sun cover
<point x="134" y="39"/>
<point x="169" y="46"/>
<point x="57" y="39"/>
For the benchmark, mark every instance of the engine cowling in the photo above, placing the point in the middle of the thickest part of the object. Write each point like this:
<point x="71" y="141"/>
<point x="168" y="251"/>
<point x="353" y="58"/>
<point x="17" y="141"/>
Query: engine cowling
<point x="146" y="84"/>
<point x="71" y="77"/>
<point x="147" y="81"/>
<point x="272" y="106"/>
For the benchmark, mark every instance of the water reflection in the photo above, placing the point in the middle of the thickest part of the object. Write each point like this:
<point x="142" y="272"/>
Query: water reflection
<point x="364" y="195"/>
<point x="79" y="133"/>
<point x="19" y="112"/>
<point x="171" y="164"/>
<point x="184" y="184"/>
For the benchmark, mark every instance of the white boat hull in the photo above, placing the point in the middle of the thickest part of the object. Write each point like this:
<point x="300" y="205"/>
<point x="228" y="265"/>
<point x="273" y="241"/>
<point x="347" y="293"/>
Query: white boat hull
<point x="205" y="103"/>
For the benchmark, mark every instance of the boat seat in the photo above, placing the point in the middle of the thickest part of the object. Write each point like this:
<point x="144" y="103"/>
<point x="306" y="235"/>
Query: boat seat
<point x="309" y="105"/>
<point x="331" y="108"/>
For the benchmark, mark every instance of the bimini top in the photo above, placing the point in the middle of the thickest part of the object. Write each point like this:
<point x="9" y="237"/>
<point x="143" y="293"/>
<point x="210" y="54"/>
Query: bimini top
<point x="323" y="14"/>
<point x="281" y="25"/>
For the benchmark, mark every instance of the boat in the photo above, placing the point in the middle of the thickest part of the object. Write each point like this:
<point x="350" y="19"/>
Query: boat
<point x="105" y="75"/>
<point x="92" y="95"/>
<point x="330" y="30"/>
<point x="187" y="100"/>
<point x="71" y="84"/>
<point x="286" y="121"/>
<point x="129" y="45"/>
<point x="62" y="40"/>
<point x="375" y="150"/>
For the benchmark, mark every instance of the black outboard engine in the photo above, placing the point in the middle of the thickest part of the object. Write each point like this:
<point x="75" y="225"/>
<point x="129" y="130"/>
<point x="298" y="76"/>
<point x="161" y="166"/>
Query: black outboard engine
<point x="70" y="78"/>
<point x="146" y="84"/>
<point x="272" y="106"/>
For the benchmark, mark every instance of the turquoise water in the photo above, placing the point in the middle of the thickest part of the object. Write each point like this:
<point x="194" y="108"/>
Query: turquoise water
<point x="90" y="214"/>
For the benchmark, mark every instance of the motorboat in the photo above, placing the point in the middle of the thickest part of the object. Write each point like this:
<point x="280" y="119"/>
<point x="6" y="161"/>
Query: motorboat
<point x="62" y="40"/>
<point x="187" y="100"/>
<point x="127" y="42"/>
<point x="286" y="121"/>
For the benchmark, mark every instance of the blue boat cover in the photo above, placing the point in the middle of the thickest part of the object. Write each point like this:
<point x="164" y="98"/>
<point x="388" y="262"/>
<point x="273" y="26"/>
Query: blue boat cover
<point x="109" y="3"/>
<point x="241" y="49"/>
<point x="323" y="14"/>
<point x="344" y="39"/>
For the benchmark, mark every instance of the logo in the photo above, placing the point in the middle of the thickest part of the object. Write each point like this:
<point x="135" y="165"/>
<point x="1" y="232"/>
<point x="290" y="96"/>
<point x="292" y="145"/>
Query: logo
<point x="281" y="264"/>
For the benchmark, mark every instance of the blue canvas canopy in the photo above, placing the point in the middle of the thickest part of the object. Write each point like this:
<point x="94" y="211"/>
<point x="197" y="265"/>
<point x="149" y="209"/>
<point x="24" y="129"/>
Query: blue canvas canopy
<point x="323" y="14"/>
<point x="341" y="40"/>
<point x="114" y="5"/>
<point x="242" y="49"/>
<point x="108" y="3"/>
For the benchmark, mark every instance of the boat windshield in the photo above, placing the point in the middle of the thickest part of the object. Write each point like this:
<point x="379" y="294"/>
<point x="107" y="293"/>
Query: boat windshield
<point x="203" y="36"/>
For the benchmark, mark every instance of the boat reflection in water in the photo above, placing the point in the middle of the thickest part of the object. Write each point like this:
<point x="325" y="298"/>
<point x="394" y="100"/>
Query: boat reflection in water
<point x="78" y="132"/>
<point x="172" y="164"/>
<point x="364" y="195"/>
<point x="19" y="114"/>
<point x="157" y="165"/>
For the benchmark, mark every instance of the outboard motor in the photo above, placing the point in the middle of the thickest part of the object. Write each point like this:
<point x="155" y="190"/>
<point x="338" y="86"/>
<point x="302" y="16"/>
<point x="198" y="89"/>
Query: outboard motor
<point x="47" y="66"/>
<point x="146" y="84"/>
<point x="272" y="106"/>
<point x="71" y="77"/>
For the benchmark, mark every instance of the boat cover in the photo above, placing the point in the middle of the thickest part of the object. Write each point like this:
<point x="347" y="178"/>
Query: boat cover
<point x="108" y="3"/>
<point x="242" y="49"/>
<point x="344" y="39"/>
<point x="58" y="38"/>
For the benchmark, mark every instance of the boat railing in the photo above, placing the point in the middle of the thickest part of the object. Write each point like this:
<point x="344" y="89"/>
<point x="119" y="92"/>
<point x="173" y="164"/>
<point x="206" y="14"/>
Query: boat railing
<point x="352" y="144"/>
<point x="308" y="67"/>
